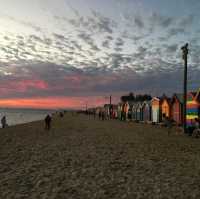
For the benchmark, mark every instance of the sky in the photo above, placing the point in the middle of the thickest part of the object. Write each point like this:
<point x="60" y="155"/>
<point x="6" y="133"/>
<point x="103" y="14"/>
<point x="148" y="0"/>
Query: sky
<point x="69" y="53"/>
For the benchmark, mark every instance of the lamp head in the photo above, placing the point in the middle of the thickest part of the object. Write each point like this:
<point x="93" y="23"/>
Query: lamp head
<point x="185" y="46"/>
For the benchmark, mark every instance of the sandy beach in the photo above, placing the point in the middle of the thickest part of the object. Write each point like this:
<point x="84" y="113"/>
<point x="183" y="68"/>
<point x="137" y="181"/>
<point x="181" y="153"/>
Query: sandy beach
<point x="85" y="158"/>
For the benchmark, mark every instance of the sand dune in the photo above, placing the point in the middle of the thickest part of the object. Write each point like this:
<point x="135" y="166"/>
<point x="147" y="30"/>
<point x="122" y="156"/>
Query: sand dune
<point x="86" y="158"/>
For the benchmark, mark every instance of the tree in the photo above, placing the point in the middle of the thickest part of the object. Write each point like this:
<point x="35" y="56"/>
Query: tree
<point x="130" y="97"/>
<point x="137" y="98"/>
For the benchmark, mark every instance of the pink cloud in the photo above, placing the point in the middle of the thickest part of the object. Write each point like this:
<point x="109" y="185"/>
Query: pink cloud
<point x="22" y="85"/>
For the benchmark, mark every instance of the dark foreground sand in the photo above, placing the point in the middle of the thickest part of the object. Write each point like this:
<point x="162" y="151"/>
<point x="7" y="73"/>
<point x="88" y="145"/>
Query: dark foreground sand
<point x="82" y="158"/>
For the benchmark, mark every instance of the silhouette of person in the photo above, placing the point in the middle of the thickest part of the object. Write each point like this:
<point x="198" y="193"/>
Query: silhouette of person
<point x="168" y="123"/>
<point x="62" y="115"/>
<point x="3" y="122"/>
<point x="47" y="122"/>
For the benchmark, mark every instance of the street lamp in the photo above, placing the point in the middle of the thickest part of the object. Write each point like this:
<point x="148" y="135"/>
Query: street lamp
<point x="185" y="58"/>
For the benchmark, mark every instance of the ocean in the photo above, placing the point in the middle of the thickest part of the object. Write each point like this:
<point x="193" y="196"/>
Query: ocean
<point x="22" y="116"/>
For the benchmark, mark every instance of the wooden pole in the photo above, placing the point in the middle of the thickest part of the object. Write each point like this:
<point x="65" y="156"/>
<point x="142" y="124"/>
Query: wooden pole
<point x="110" y="106"/>
<point x="185" y="54"/>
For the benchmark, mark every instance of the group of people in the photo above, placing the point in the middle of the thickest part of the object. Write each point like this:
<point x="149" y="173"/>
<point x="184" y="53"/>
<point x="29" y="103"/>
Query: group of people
<point x="101" y="114"/>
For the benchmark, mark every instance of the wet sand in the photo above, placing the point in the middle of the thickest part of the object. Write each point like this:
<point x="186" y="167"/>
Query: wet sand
<point x="86" y="158"/>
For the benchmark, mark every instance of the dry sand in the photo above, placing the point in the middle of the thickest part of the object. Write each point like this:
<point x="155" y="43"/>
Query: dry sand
<point x="83" y="158"/>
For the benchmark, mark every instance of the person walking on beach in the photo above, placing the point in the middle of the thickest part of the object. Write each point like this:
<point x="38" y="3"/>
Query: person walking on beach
<point x="196" y="131"/>
<point x="99" y="114"/>
<point x="47" y="122"/>
<point x="168" y="123"/>
<point x="3" y="122"/>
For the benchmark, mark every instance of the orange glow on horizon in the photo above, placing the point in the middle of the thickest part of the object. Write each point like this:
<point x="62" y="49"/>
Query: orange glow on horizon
<point x="54" y="102"/>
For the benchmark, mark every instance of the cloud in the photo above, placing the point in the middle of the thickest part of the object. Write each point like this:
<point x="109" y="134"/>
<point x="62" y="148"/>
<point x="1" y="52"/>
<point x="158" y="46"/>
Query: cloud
<point x="176" y="31"/>
<point x="24" y="23"/>
<point x="172" y="48"/>
<point x="104" y="24"/>
<point x="109" y="37"/>
<point x="95" y="23"/>
<point x="77" y="45"/>
<point x="106" y="44"/>
<point x="139" y="22"/>
<point x="119" y="42"/>
<point x="6" y="38"/>
<point x="60" y="37"/>
<point x="47" y="79"/>
<point x="162" y="21"/>
<point x="186" y="21"/>
<point x="87" y="38"/>
<point x="97" y="55"/>
<point x="117" y="49"/>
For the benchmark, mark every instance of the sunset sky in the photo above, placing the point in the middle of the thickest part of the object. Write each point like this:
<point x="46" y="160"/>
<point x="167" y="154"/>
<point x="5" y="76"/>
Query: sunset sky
<point x="67" y="53"/>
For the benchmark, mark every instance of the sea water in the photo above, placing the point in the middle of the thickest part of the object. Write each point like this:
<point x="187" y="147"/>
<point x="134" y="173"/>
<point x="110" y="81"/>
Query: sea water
<point x="21" y="116"/>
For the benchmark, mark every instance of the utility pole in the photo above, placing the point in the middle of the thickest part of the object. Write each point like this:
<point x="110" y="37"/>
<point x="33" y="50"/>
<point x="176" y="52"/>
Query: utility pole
<point x="185" y="58"/>
<point x="86" y="107"/>
<point x="110" y="106"/>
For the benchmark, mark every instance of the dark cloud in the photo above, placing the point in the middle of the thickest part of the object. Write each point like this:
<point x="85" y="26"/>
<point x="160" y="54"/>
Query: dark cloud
<point x="77" y="45"/>
<point x="87" y="38"/>
<point x="137" y="38"/>
<point x="172" y="48"/>
<point x="48" y="41"/>
<point x="48" y="79"/>
<point x="109" y="37"/>
<point x="139" y="22"/>
<point x="119" y="42"/>
<point x="117" y="49"/>
<point x="186" y="21"/>
<point x="106" y="44"/>
<point x="35" y="38"/>
<point x="163" y="21"/>
<point x="6" y="38"/>
<point x="176" y="31"/>
<point x="194" y="51"/>
<point x="96" y="23"/>
<point x="60" y="37"/>
<point x="104" y="24"/>
<point x="142" y="49"/>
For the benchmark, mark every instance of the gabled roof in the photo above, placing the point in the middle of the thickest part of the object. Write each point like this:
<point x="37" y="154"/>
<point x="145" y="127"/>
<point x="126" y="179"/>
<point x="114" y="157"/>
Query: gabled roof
<point x="134" y="105"/>
<point x="164" y="97"/>
<point x="192" y="96"/>
<point x="146" y="103"/>
<point x="139" y="104"/>
<point x="197" y="97"/>
<point x="178" y="96"/>
<point x="156" y="98"/>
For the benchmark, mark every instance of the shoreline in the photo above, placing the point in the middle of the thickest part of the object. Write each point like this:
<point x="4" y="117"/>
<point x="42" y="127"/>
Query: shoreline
<point x="22" y="124"/>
